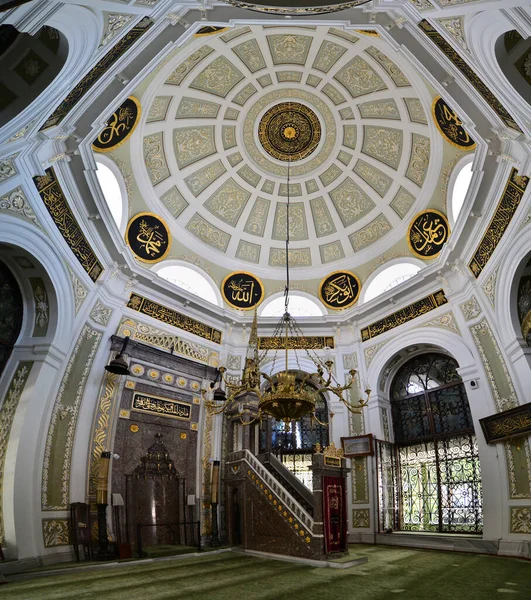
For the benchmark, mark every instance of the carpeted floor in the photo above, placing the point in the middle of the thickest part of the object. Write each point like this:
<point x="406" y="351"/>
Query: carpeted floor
<point x="390" y="573"/>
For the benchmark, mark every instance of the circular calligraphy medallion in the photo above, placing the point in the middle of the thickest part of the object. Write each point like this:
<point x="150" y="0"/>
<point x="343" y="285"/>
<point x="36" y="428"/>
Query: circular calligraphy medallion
<point x="119" y="127"/>
<point x="148" y="237"/>
<point x="289" y="131"/>
<point x="428" y="232"/>
<point x="242" y="290"/>
<point x="339" y="290"/>
<point x="450" y="125"/>
<point x="209" y="30"/>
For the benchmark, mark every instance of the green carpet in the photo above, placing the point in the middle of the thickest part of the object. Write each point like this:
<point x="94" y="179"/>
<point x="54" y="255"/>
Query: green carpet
<point x="390" y="573"/>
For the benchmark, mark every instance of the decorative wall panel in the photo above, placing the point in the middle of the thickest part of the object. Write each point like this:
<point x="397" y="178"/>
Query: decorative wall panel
<point x="219" y="78"/>
<point x="207" y="233"/>
<point x="359" y="78"/>
<point x="63" y="422"/>
<point x="351" y="202"/>
<point x="228" y="202"/>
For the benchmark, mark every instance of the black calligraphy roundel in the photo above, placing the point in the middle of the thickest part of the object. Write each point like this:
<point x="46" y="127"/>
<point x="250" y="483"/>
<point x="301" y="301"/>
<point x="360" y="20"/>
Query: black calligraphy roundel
<point x="148" y="237"/>
<point x="209" y="30"/>
<point x="450" y="125"/>
<point x="340" y="289"/>
<point x="119" y="127"/>
<point x="242" y="290"/>
<point x="427" y="233"/>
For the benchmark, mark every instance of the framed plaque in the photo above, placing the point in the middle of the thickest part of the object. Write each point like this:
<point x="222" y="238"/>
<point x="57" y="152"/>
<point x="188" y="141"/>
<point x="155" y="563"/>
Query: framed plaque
<point x="358" y="445"/>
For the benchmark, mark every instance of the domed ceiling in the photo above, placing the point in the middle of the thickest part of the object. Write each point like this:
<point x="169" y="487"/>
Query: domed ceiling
<point x="223" y="117"/>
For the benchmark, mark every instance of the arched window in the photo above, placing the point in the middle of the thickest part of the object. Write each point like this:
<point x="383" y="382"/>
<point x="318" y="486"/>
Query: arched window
<point x="191" y="281"/>
<point x="299" y="306"/>
<point x="10" y="314"/>
<point x="111" y="191"/>
<point x="294" y="443"/>
<point x="458" y="188"/>
<point x="437" y="467"/>
<point x="389" y="278"/>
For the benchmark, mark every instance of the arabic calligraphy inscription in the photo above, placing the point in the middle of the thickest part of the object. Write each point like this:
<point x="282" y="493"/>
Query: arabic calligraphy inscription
<point x="119" y="127"/>
<point x="339" y="290"/>
<point x="148" y="237"/>
<point x="242" y="290"/>
<point x="427" y="233"/>
<point x="450" y="125"/>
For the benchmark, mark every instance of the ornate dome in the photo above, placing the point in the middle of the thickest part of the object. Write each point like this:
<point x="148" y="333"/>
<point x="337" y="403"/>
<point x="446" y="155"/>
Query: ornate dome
<point x="223" y="114"/>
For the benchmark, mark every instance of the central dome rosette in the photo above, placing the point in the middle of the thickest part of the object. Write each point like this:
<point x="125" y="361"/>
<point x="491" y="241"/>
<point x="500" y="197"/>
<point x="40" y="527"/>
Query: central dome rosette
<point x="289" y="131"/>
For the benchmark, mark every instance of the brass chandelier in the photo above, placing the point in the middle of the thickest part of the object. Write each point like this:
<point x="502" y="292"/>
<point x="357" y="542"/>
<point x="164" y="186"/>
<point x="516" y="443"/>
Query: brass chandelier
<point x="284" y="396"/>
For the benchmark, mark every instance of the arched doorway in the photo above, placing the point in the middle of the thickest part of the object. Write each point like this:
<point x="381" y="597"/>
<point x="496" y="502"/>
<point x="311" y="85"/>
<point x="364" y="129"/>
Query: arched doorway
<point x="11" y="313"/>
<point x="430" y="478"/>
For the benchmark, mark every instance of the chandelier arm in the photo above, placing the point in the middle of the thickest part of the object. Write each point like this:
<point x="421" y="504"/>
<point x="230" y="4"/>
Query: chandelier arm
<point x="210" y="407"/>
<point x="258" y="416"/>
<point x="354" y="409"/>
<point x="322" y="423"/>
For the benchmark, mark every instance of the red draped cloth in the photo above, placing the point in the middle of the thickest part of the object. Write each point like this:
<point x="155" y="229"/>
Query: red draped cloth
<point x="335" y="514"/>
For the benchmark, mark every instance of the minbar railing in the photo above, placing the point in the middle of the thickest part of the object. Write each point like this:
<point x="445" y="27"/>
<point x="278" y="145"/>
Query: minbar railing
<point x="276" y="488"/>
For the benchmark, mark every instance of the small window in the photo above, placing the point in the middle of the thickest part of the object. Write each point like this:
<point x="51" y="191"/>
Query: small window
<point x="111" y="191"/>
<point x="460" y="189"/>
<point x="191" y="281"/>
<point x="299" y="306"/>
<point x="389" y="278"/>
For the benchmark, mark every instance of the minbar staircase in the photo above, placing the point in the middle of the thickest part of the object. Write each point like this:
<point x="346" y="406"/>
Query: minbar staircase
<point x="264" y="515"/>
<point x="287" y="479"/>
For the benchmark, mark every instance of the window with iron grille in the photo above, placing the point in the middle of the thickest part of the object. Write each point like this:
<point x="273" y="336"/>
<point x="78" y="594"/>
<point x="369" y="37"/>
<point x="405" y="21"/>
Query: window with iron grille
<point x="431" y="479"/>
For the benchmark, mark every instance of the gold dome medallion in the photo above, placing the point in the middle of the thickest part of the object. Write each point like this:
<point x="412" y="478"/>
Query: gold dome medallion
<point x="289" y="131"/>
